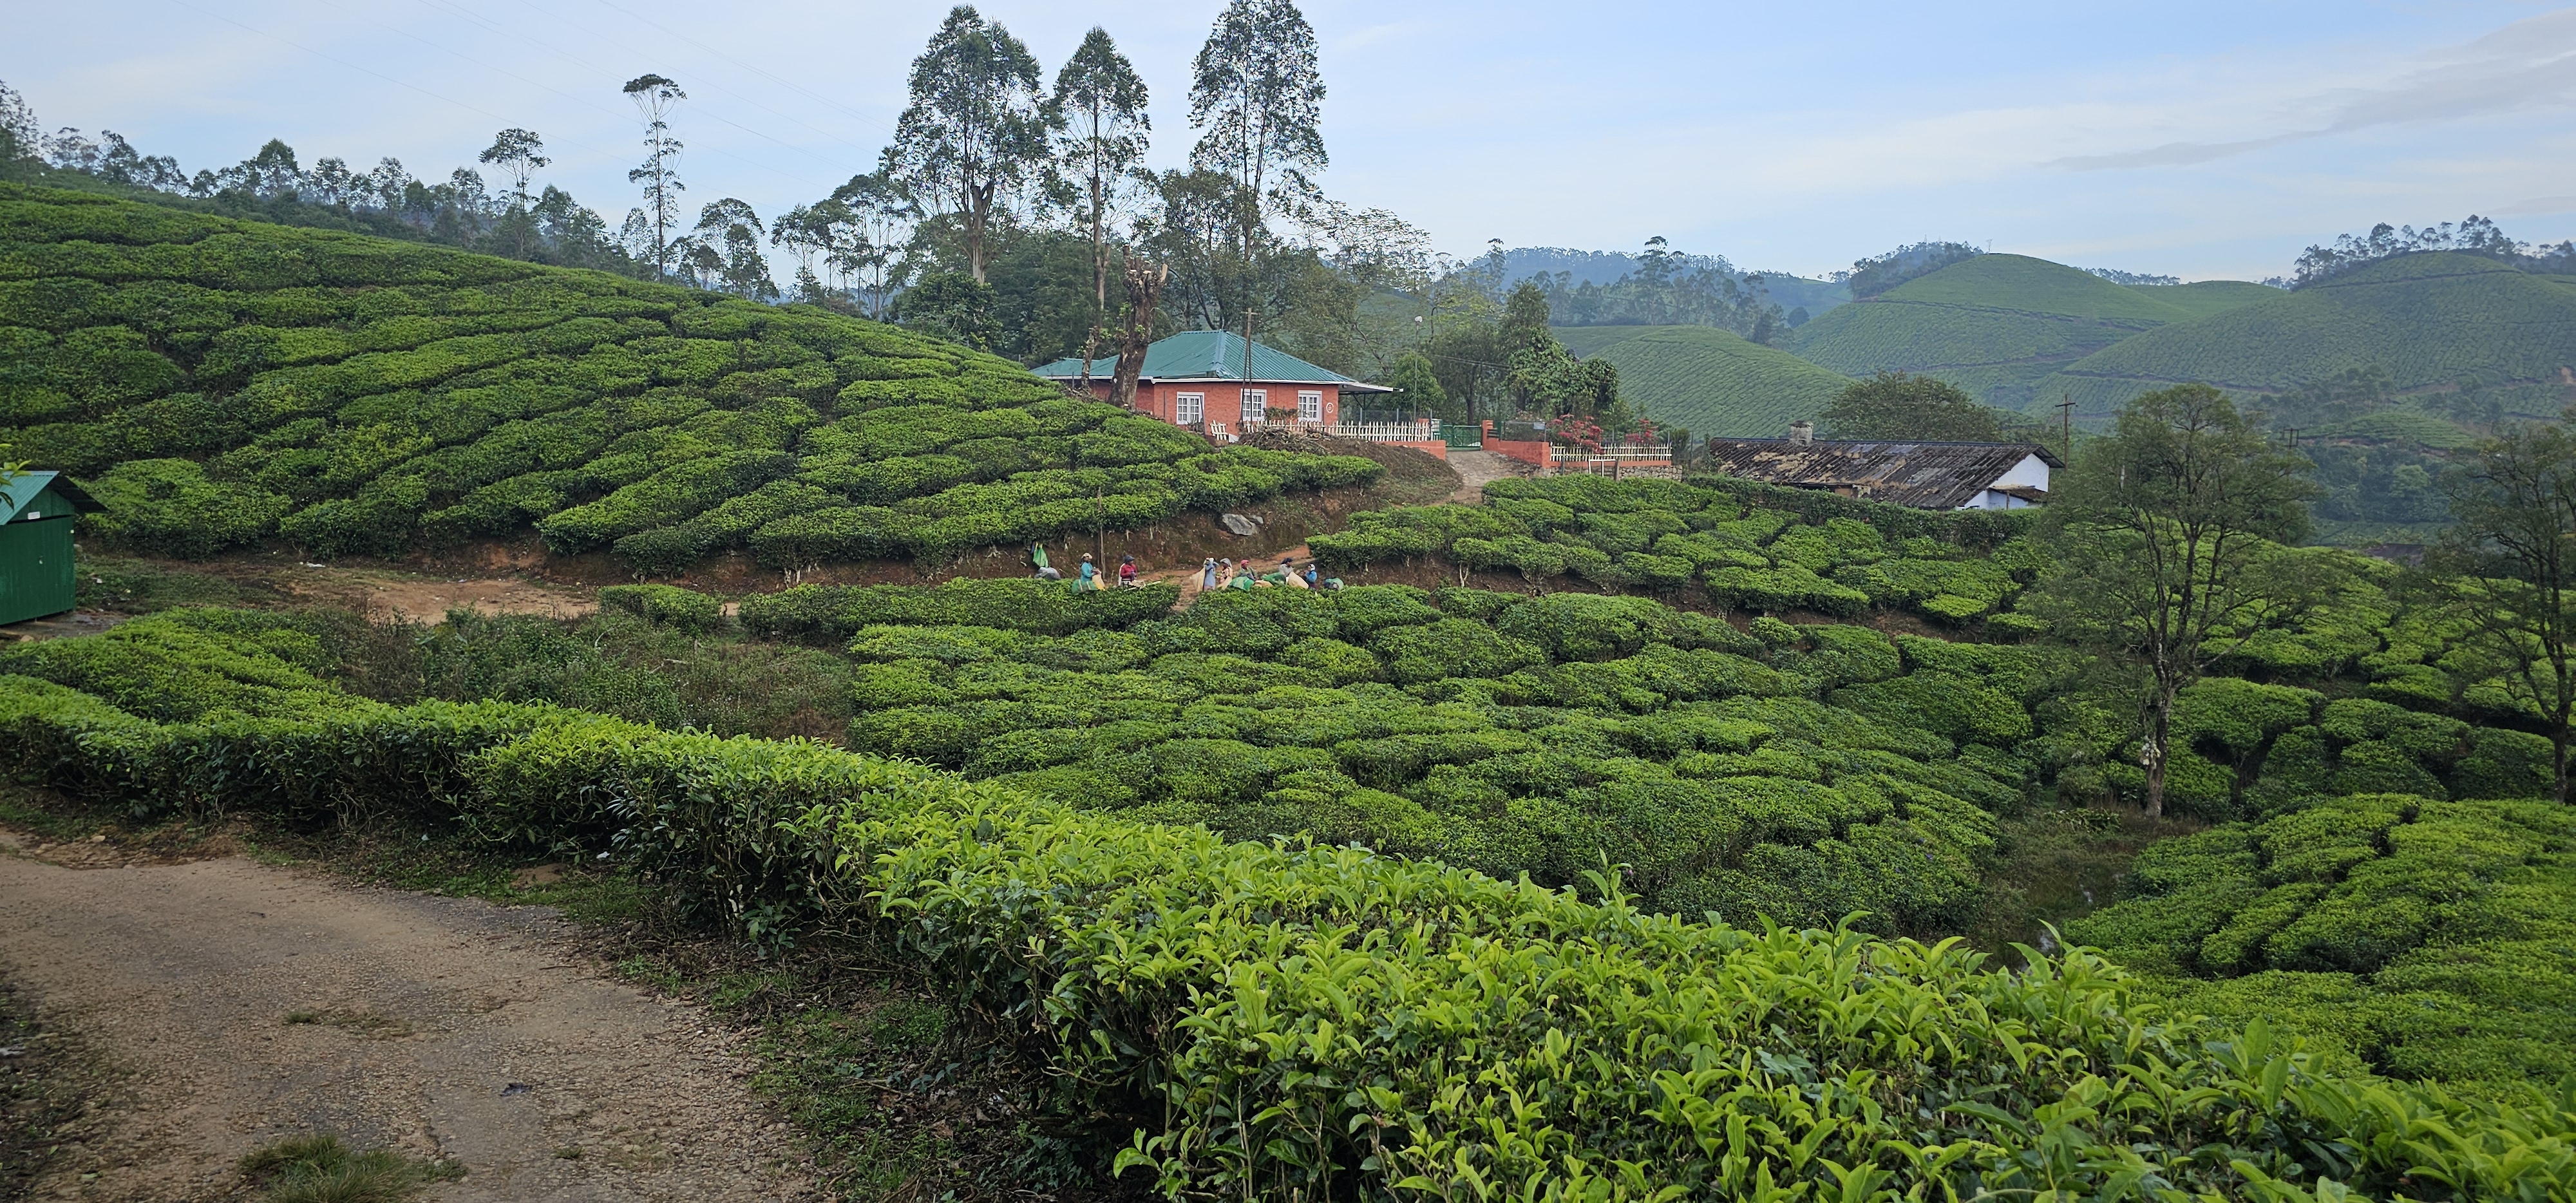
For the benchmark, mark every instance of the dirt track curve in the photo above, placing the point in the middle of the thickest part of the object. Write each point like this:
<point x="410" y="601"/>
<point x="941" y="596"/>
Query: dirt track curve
<point x="442" y="1027"/>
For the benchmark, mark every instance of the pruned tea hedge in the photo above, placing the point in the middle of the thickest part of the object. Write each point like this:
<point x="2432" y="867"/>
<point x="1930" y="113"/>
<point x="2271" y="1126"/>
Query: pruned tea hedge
<point x="221" y="382"/>
<point x="1291" y="1019"/>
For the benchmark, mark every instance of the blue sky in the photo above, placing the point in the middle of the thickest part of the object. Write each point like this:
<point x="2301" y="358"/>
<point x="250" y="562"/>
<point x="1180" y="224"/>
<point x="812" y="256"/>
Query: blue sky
<point x="2206" y="140"/>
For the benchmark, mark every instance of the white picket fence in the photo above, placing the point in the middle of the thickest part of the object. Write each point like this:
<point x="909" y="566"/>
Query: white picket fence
<point x="1387" y="432"/>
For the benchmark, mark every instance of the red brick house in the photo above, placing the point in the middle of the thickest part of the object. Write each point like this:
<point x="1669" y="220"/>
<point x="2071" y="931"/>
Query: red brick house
<point x="1203" y="379"/>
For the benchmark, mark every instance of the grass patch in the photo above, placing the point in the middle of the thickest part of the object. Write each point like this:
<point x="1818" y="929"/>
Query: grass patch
<point x="135" y="585"/>
<point x="2059" y="865"/>
<point x="43" y="1087"/>
<point x="321" y="1169"/>
<point x="430" y="864"/>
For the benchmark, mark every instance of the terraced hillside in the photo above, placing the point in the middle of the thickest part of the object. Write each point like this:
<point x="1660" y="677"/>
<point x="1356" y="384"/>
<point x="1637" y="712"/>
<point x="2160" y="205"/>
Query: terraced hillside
<point x="2205" y="298"/>
<point x="2430" y="321"/>
<point x="1708" y="380"/>
<point x="1999" y="325"/>
<point x="218" y="382"/>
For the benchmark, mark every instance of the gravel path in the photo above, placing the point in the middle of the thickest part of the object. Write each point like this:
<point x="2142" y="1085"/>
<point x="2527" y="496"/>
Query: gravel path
<point x="442" y="1027"/>
<point x="1477" y="467"/>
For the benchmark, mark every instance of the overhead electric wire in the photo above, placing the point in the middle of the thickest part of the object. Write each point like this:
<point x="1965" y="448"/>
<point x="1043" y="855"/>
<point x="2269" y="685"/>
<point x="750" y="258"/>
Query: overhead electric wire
<point x="799" y="88"/>
<point x="335" y="59"/>
<point x="720" y="88"/>
<point x="503" y="71"/>
<point x="341" y="61"/>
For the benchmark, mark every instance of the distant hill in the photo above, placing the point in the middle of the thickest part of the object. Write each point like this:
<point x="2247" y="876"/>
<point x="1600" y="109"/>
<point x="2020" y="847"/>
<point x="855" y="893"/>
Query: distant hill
<point x="2429" y="320"/>
<point x="1606" y="267"/>
<point x="2000" y="325"/>
<point x="1709" y="381"/>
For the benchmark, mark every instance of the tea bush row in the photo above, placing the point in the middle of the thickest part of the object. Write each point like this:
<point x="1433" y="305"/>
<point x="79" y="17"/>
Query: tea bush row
<point x="1805" y="778"/>
<point x="2431" y="939"/>
<point x="1299" y="1020"/>
<point x="219" y="382"/>
<point x="1667" y="537"/>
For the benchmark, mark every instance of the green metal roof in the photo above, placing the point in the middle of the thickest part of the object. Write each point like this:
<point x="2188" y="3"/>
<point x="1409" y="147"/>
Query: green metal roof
<point x="20" y="491"/>
<point x="1211" y="355"/>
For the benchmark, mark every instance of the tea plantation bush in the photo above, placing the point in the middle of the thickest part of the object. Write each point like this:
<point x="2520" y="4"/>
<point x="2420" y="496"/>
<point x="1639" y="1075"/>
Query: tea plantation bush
<point x="2430" y="938"/>
<point x="1736" y="544"/>
<point x="1547" y="736"/>
<point x="1291" y="1019"/>
<point x="218" y="382"/>
<point x="666" y="605"/>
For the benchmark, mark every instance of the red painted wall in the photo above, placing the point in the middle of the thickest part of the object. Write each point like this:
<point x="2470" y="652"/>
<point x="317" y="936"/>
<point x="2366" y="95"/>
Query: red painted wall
<point x="1224" y="399"/>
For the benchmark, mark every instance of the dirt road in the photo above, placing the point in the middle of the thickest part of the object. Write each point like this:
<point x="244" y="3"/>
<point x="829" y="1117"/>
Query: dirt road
<point x="244" y="1003"/>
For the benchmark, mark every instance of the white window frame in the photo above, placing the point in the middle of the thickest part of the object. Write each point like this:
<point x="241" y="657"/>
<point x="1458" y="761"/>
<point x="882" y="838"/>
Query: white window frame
<point x="1189" y="409"/>
<point x="1256" y="403"/>
<point x="1310" y="406"/>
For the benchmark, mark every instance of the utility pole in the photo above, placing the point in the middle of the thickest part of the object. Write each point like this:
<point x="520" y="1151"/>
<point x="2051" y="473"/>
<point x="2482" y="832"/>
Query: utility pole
<point x="2066" y="426"/>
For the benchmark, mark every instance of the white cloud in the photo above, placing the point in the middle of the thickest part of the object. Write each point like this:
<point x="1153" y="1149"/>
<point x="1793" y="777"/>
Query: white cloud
<point x="2530" y="64"/>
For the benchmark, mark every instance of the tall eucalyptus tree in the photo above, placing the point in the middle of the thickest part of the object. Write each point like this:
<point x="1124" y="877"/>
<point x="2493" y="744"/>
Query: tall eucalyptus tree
<point x="1256" y="94"/>
<point x="659" y="173"/>
<point x="974" y="137"/>
<point x="1100" y="102"/>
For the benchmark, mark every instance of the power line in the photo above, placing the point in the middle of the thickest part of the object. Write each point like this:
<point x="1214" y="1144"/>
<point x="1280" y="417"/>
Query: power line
<point x="590" y="103"/>
<point x="745" y="98"/>
<point x="341" y="61"/>
<point x="450" y="99"/>
<point x="798" y="88"/>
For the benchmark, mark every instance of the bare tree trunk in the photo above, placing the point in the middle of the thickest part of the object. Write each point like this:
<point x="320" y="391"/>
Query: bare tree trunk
<point x="2152" y="752"/>
<point x="2558" y="759"/>
<point x="1144" y="289"/>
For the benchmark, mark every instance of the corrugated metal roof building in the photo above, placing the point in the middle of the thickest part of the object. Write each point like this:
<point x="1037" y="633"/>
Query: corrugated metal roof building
<point x="36" y="544"/>
<point x="1216" y="382"/>
<point x="1922" y="474"/>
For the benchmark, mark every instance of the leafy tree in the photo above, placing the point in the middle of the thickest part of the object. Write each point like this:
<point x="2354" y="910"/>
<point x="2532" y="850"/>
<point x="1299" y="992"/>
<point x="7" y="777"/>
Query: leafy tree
<point x="1101" y="101"/>
<point x="22" y="140"/>
<point x="1416" y="385"/>
<point x="950" y="305"/>
<point x="273" y="171"/>
<point x="1878" y="273"/>
<point x="1525" y="316"/>
<point x="728" y="233"/>
<point x="2348" y="394"/>
<point x="2168" y="534"/>
<point x="1191" y="230"/>
<point x="1894" y="405"/>
<point x="659" y="173"/>
<point x="1256" y="91"/>
<point x="517" y="152"/>
<point x="873" y="226"/>
<point x="1666" y="287"/>
<point x="2508" y="565"/>
<point x="2476" y="236"/>
<point x="975" y="134"/>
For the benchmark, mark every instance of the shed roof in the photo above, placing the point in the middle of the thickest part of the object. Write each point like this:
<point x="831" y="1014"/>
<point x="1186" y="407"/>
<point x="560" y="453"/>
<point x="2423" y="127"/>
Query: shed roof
<point x="1212" y="355"/>
<point x="1925" y="475"/>
<point x="20" y="491"/>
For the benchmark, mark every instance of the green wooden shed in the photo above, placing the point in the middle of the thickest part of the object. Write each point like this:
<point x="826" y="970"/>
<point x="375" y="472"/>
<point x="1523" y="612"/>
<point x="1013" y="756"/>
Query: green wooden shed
<point x="36" y="511"/>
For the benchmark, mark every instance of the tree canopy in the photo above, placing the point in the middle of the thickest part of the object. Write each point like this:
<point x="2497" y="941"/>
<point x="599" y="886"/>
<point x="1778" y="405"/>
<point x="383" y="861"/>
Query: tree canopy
<point x="1894" y="405"/>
